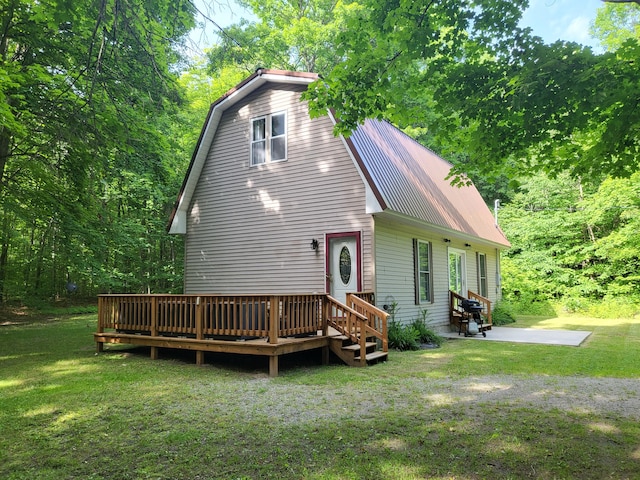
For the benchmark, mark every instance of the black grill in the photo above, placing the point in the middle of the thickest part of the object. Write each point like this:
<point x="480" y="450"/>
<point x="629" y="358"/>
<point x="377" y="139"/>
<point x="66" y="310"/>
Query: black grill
<point x="471" y="306"/>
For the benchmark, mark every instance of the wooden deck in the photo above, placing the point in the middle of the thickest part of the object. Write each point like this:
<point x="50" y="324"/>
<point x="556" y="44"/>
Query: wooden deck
<point x="267" y="325"/>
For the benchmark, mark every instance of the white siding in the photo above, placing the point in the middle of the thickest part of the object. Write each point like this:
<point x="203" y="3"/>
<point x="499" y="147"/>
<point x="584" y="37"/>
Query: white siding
<point x="249" y="228"/>
<point x="395" y="270"/>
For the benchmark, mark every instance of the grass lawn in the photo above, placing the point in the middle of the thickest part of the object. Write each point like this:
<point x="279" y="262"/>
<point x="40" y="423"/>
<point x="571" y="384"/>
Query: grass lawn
<point x="69" y="413"/>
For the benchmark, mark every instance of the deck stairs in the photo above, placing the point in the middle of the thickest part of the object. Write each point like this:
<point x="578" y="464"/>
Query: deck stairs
<point x="346" y="339"/>
<point x="349" y="352"/>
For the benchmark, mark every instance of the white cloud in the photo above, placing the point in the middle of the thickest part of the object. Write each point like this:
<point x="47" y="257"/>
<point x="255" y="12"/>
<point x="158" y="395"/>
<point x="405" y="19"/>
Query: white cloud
<point x="578" y="30"/>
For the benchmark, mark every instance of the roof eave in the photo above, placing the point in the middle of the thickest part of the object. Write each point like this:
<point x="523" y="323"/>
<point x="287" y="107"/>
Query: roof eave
<point x="446" y="232"/>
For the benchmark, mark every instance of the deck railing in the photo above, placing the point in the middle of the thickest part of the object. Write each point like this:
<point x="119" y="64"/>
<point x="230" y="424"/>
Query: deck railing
<point x="376" y="325"/>
<point x="455" y="305"/>
<point x="485" y="303"/>
<point x="210" y="316"/>
<point x="358" y="321"/>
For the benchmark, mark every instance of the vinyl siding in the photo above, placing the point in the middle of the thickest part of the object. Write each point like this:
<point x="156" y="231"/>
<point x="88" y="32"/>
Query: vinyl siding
<point x="249" y="229"/>
<point x="395" y="270"/>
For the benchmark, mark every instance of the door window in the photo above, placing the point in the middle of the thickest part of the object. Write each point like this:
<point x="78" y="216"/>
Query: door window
<point x="345" y="265"/>
<point x="457" y="272"/>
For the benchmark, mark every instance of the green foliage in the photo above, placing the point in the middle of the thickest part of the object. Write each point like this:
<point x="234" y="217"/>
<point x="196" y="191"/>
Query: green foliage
<point x="502" y="314"/>
<point x="572" y="110"/>
<point x="425" y="333"/>
<point x="410" y="336"/>
<point x="86" y="173"/>
<point x="572" y="244"/>
<point x="402" y="337"/>
<point x="615" y="23"/>
<point x="391" y="52"/>
<point x="288" y="35"/>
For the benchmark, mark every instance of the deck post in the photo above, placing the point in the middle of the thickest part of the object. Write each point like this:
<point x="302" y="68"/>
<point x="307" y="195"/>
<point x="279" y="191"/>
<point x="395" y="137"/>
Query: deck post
<point x="273" y="366"/>
<point x="325" y="317"/>
<point x="199" y="329"/>
<point x="274" y="322"/>
<point x="101" y="313"/>
<point x="154" y="325"/>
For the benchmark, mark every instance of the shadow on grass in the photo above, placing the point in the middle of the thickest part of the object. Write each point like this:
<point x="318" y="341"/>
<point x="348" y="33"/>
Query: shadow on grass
<point x="231" y="362"/>
<point x="181" y="438"/>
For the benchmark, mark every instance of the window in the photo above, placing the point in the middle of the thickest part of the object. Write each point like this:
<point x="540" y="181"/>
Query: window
<point x="269" y="139"/>
<point x="458" y="271"/>
<point x="482" y="274"/>
<point x="422" y="256"/>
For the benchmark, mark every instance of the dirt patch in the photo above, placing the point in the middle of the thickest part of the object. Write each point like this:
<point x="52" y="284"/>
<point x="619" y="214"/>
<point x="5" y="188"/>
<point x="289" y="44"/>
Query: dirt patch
<point x="17" y="316"/>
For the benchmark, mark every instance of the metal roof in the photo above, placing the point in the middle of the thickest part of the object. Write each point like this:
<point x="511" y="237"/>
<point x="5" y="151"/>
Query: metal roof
<point x="411" y="180"/>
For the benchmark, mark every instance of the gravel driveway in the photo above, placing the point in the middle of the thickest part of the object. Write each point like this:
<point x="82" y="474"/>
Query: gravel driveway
<point x="295" y="403"/>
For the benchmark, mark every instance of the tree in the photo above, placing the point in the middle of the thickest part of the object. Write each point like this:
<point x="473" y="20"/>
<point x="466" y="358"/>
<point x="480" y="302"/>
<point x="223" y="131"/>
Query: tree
<point x="616" y="23"/>
<point x="524" y="105"/>
<point x="391" y="49"/>
<point x="290" y="35"/>
<point x="85" y="89"/>
<point x="572" y="243"/>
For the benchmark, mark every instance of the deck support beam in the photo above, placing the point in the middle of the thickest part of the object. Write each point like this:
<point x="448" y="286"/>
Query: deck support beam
<point x="325" y="355"/>
<point x="273" y="366"/>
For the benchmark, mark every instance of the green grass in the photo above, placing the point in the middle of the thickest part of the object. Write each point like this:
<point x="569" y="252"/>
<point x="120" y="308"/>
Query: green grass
<point x="69" y="413"/>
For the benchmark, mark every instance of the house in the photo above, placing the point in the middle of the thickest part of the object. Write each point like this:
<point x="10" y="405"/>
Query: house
<point x="274" y="203"/>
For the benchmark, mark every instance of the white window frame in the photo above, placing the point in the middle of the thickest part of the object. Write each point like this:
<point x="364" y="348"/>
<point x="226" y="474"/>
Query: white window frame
<point x="418" y="273"/>
<point x="462" y="256"/>
<point x="268" y="139"/>
<point x="483" y="281"/>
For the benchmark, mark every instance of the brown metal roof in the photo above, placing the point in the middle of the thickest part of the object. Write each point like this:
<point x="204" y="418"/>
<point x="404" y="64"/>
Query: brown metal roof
<point x="409" y="179"/>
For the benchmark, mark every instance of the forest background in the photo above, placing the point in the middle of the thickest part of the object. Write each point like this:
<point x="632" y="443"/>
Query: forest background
<point x="102" y="101"/>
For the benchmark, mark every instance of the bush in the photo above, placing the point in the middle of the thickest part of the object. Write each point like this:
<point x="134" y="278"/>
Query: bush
<point x="425" y="333"/>
<point x="608" y="307"/>
<point x="502" y="314"/>
<point x="409" y="337"/>
<point x="403" y="337"/>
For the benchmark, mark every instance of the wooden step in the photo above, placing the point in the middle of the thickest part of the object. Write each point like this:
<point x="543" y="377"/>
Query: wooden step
<point x="356" y="347"/>
<point x="374" y="356"/>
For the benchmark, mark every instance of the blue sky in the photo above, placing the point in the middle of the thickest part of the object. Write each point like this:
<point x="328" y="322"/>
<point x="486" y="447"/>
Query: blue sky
<point x="550" y="19"/>
<point x="562" y="19"/>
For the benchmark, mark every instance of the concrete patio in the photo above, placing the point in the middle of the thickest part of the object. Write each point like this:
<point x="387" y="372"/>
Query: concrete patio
<point x="572" y="338"/>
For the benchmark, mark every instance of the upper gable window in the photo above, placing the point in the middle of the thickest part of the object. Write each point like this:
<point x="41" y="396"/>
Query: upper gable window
<point x="269" y="139"/>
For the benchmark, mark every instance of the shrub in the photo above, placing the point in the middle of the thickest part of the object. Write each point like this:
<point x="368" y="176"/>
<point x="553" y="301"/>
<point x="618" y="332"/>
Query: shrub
<point x="502" y="314"/>
<point x="425" y="333"/>
<point x="403" y="337"/>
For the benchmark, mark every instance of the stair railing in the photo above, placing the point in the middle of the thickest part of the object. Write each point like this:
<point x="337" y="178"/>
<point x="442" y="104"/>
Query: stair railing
<point x="376" y="326"/>
<point x="485" y="303"/>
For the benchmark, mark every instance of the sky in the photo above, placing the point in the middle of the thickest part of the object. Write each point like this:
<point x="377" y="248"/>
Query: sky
<point x="562" y="19"/>
<point x="550" y="19"/>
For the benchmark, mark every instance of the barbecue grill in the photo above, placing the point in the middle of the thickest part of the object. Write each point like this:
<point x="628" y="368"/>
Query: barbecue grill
<point x="473" y="310"/>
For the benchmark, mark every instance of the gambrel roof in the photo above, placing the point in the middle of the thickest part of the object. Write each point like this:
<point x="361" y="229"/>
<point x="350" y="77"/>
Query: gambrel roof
<point x="405" y="178"/>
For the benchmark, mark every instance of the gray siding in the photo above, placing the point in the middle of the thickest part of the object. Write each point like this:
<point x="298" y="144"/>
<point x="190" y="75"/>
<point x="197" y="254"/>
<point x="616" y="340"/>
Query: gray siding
<point x="395" y="270"/>
<point x="249" y="228"/>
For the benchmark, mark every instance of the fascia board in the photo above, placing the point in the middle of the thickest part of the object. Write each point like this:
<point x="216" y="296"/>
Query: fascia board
<point x="439" y="230"/>
<point x="372" y="192"/>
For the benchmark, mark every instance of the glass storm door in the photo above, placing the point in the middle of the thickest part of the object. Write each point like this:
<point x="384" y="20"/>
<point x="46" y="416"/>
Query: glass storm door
<point x="343" y="269"/>
<point x="457" y="272"/>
